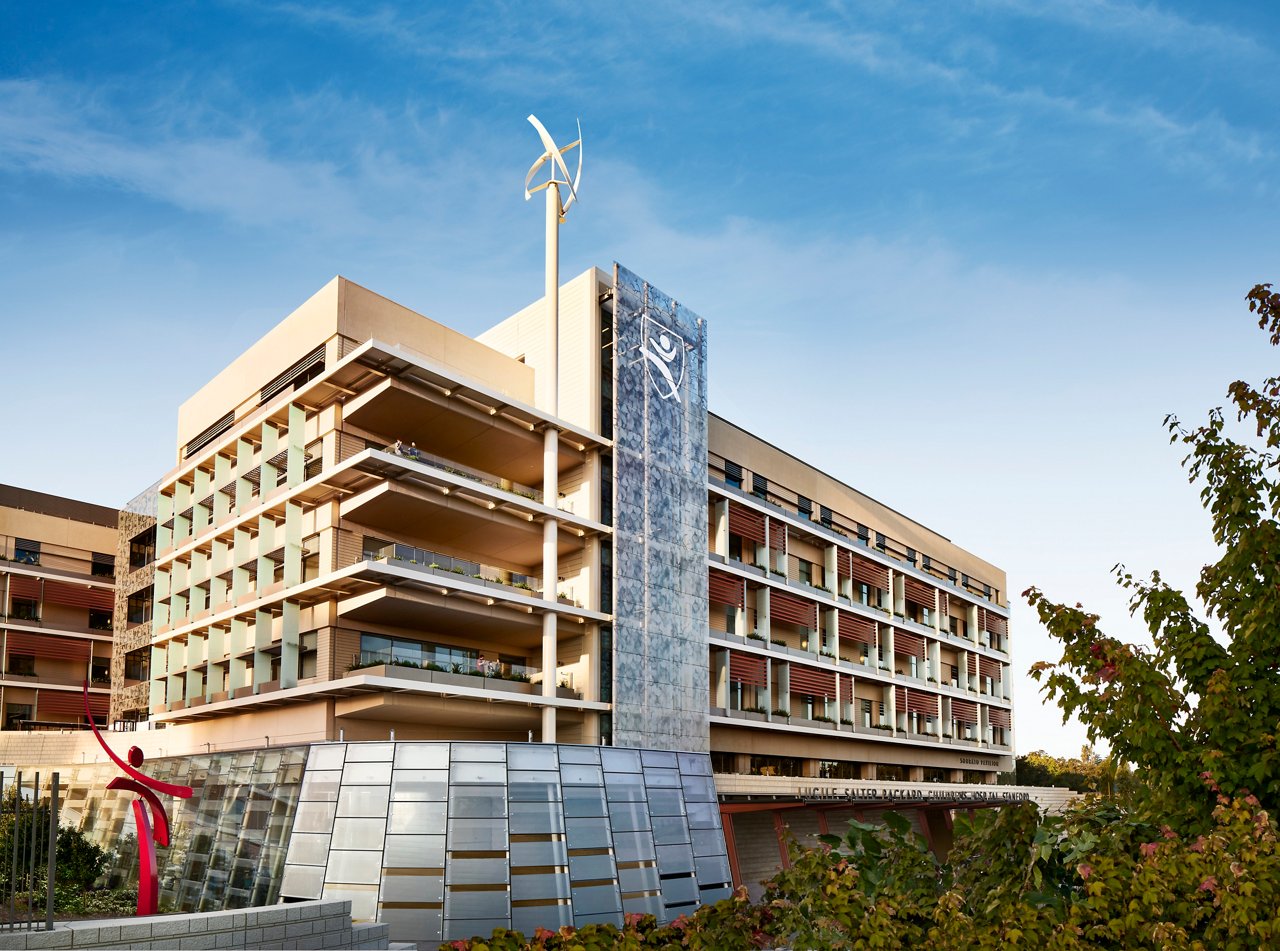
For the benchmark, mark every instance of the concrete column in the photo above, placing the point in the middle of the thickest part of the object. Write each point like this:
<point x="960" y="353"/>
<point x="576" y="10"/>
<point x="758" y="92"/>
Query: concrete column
<point x="295" y="459"/>
<point x="720" y="679"/>
<point x="290" y="640"/>
<point x="830" y="577"/>
<point x="550" y="571"/>
<point x="867" y="771"/>
<point x="261" y="642"/>
<point x="762" y="612"/>
<point x="720" y="538"/>
<point x="244" y="488"/>
<point x="270" y="446"/>
<point x="784" y="688"/>
<point x="915" y="774"/>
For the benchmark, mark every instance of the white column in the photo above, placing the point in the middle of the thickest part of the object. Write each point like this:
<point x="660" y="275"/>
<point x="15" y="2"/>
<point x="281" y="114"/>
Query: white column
<point x="550" y="577"/>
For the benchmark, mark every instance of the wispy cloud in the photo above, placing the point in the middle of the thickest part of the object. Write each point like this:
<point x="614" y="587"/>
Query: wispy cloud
<point x="1140" y="26"/>
<point x="52" y="131"/>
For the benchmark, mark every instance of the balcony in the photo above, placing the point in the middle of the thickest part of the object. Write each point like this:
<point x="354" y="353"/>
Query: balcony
<point x="445" y="565"/>
<point x="507" y="678"/>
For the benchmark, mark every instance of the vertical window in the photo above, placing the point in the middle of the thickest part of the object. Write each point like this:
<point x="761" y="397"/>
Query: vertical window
<point x="911" y="555"/>
<point x="825" y="516"/>
<point x="759" y="486"/>
<point x="100" y="673"/>
<point x="142" y="549"/>
<point x="804" y="507"/>
<point x="732" y="474"/>
<point x="140" y="605"/>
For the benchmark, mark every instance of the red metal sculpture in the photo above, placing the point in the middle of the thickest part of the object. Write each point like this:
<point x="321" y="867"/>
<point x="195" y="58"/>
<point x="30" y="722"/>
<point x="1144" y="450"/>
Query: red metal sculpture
<point x="152" y="829"/>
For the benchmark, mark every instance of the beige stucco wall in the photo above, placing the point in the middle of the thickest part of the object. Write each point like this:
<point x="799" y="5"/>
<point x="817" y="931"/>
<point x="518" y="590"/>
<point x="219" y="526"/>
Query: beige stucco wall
<point x="344" y="307"/>
<point x="53" y="530"/>
<point x="522" y="335"/>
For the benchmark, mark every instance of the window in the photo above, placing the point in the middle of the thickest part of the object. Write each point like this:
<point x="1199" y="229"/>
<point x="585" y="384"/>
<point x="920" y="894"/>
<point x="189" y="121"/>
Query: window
<point x="880" y="541"/>
<point x="137" y="664"/>
<point x="15" y="714"/>
<point x="99" y="620"/>
<point x="140" y="604"/>
<point x="911" y="556"/>
<point x="732" y="474"/>
<point x="104" y="566"/>
<point x="804" y="507"/>
<point x="759" y="486"/>
<point x="23" y="665"/>
<point x="804" y="570"/>
<point x="142" y="549"/>
<point x="24" y="609"/>
<point x="100" y="672"/>
<point x="825" y="514"/>
<point x="26" y="552"/>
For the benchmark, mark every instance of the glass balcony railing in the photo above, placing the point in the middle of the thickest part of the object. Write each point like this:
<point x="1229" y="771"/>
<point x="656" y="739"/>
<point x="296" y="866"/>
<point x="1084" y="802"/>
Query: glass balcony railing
<point x="437" y="563"/>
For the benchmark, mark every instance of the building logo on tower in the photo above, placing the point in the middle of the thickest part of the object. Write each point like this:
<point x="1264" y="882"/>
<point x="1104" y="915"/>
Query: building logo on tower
<point x="664" y="358"/>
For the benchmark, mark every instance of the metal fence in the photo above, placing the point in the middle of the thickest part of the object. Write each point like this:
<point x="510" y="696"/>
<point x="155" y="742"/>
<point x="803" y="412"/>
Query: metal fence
<point x="28" y="851"/>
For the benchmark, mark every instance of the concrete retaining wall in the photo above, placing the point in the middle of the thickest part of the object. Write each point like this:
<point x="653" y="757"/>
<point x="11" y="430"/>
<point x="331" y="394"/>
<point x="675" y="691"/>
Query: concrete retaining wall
<point x="308" y="924"/>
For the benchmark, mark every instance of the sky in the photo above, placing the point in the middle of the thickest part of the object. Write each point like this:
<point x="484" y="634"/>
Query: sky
<point x="989" y="244"/>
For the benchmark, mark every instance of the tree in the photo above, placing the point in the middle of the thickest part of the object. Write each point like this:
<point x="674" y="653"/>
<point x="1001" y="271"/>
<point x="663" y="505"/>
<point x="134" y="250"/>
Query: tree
<point x="1196" y="716"/>
<point x="1088" y="772"/>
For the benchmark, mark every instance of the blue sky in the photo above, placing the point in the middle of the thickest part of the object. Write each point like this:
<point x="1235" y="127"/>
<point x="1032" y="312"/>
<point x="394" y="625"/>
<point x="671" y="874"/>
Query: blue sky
<point x="1016" y="233"/>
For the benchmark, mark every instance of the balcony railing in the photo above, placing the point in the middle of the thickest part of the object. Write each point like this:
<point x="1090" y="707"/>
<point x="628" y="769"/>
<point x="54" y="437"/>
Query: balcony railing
<point x="437" y="563"/>
<point x="466" y="472"/>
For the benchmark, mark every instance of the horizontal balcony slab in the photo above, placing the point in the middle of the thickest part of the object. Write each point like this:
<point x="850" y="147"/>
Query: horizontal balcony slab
<point x="456" y="430"/>
<point x="426" y="517"/>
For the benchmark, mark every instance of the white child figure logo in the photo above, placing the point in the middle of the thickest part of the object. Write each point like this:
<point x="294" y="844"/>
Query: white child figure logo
<point x="664" y="358"/>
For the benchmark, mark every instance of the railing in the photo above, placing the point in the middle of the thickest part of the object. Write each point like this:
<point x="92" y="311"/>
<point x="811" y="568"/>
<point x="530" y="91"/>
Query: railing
<point x="28" y="865"/>
<point x="467" y="472"/>
<point x="495" y="670"/>
<point x="430" y="560"/>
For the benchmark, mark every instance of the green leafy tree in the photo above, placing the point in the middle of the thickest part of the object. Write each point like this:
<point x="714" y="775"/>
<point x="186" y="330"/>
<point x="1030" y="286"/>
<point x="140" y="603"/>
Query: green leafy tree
<point x="1194" y="714"/>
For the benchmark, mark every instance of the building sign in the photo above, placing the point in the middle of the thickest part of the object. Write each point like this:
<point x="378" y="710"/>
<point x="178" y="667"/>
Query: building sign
<point x="899" y="794"/>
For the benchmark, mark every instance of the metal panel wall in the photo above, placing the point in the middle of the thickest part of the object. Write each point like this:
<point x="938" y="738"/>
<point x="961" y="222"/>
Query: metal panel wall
<point x="660" y="678"/>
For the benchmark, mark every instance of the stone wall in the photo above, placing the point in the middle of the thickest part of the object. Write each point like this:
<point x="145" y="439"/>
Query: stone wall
<point x="310" y="924"/>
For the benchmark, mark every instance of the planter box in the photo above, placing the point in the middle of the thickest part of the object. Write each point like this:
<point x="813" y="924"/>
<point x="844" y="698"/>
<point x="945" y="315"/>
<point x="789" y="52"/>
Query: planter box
<point x="748" y="715"/>
<point x="510" y="686"/>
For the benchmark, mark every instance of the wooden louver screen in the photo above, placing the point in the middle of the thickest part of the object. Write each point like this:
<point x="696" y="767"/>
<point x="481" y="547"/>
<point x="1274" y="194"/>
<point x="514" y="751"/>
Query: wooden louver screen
<point x="856" y="629"/>
<point x="989" y="668"/>
<point x="793" y="610"/>
<point x="725" y="589"/>
<point x="746" y="522"/>
<point x="60" y="592"/>
<point x="844" y="561"/>
<point x="917" y="592"/>
<point x="915" y="701"/>
<point x="990" y="621"/>
<point x="47" y="645"/>
<point x="846" y="688"/>
<point x="964" y="711"/>
<point x="998" y="717"/>
<point x="944" y="606"/>
<point x="62" y="704"/>
<point x="22" y="586"/>
<point x="869" y="573"/>
<point x="811" y="682"/>
<point x="908" y="644"/>
<point x="973" y="665"/>
<point x="748" y="669"/>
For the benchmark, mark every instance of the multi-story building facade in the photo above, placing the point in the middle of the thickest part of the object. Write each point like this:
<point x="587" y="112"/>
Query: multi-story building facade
<point x="379" y="524"/>
<point x="57" y="599"/>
